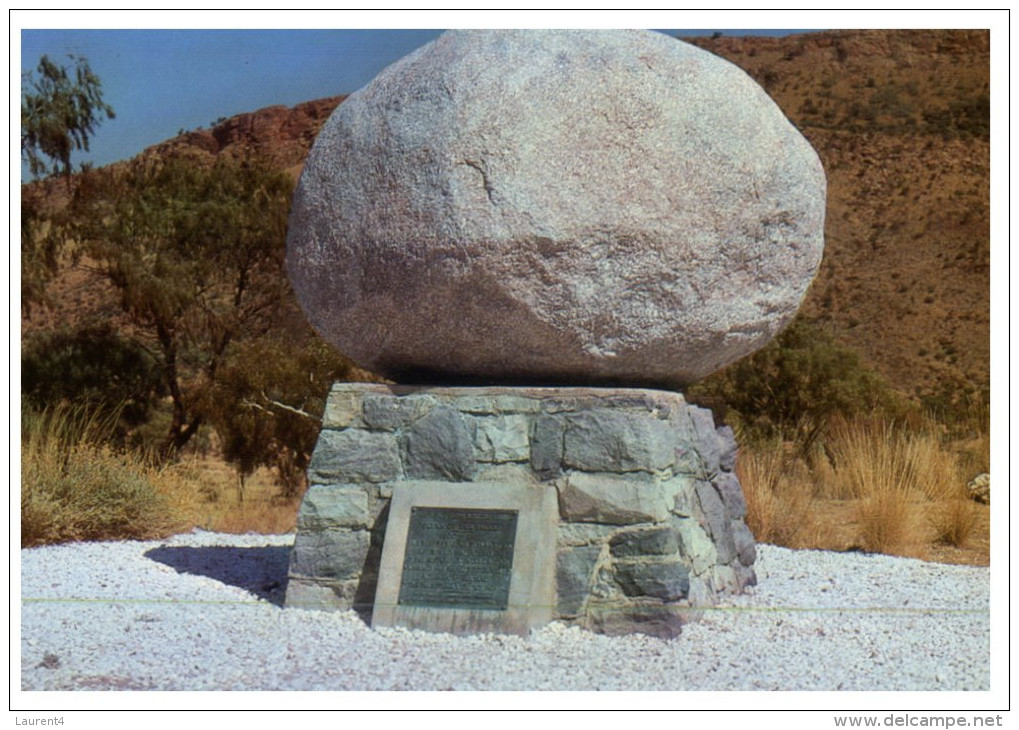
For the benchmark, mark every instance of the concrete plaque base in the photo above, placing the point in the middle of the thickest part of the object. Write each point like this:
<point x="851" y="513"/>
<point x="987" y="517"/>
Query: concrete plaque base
<point x="531" y="578"/>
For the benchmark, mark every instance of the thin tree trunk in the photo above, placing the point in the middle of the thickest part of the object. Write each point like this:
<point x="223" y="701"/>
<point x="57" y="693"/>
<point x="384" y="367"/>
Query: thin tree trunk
<point x="180" y="430"/>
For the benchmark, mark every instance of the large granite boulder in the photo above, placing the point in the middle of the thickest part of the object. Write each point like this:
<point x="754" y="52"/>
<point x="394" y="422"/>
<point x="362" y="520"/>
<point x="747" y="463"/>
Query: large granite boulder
<point x="582" y="207"/>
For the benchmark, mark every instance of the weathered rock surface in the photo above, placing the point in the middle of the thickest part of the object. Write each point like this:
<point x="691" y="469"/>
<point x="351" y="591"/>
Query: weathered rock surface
<point x="583" y="207"/>
<point x="979" y="488"/>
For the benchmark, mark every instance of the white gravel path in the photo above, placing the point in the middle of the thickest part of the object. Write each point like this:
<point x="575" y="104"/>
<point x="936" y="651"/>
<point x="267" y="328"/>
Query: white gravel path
<point x="201" y="612"/>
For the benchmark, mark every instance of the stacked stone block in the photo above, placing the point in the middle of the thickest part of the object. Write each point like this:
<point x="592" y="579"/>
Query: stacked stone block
<point x="650" y="512"/>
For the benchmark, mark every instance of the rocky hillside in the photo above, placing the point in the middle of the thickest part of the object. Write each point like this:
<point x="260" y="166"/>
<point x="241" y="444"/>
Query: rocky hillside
<point x="280" y="134"/>
<point x="900" y="120"/>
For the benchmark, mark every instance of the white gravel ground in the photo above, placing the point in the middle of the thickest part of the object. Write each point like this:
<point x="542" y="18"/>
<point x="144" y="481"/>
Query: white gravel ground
<point x="202" y="612"/>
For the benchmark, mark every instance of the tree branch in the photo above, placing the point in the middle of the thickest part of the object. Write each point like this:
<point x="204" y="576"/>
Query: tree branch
<point x="281" y="406"/>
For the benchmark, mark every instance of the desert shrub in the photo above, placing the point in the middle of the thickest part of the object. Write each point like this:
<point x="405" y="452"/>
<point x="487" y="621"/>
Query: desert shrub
<point x="196" y="253"/>
<point x="75" y="487"/>
<point x="795" y="386"/>
<point x="966" y="116"/>
<point x="91" y="367"/>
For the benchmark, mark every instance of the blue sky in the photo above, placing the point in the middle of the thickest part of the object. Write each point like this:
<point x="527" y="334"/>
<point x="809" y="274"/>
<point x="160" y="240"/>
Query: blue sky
<point x="161" y="81"/>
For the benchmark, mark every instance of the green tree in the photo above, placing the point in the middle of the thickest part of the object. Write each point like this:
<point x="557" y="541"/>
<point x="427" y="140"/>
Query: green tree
<point x="40" y="249"/>
<point x="795" y="385"/>
<point x="269" y="401"/>
<point x="196" y="252"/>
<point x="59" y="113"/>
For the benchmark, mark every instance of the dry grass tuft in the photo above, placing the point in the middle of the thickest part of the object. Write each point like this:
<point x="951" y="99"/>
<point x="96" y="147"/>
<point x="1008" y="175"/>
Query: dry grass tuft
<point x="778" y="502"/>
<point x="75" y="487"/>
<point x="886" y="468"/>
<point x="873" y="484"/>
<point x="887" y="523"/>
<point x="954" y="520"/>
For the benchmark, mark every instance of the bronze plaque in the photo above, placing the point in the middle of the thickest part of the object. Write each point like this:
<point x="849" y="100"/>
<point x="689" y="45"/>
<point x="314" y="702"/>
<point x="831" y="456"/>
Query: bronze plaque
<point x="458" y="558"/>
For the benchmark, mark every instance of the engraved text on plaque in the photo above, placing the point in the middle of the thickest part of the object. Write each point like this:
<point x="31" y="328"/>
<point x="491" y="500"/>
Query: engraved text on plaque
<point x="458" y="558"/>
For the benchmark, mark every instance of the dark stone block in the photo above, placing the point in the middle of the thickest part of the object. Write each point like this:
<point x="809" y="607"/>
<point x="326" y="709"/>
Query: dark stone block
<point x="654" y="541"/>
<point x="708" y="446"/>
<point x="547" y="446"/>
<point x="668" y="581"/>
<point x="389" y="412"/>
<point x="574" y="567"/>
<point x="746" y="548"/>
<point x="728" y="448"/>
<point x="652" y="619"/>
<point x="716" y="521"/>
<point x="745" y="576"/>
<point x="731" y="492"/>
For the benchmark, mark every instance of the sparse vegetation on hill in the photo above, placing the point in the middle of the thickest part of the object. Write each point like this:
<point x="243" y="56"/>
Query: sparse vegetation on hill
<point x="900" y="120"/>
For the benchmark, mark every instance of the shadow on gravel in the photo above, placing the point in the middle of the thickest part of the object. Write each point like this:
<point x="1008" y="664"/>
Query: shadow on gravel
<point x="259" y="570"/>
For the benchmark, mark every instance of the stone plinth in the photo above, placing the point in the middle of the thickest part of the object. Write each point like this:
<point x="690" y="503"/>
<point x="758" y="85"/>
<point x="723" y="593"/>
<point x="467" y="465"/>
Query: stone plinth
<point x="650" y="514"/>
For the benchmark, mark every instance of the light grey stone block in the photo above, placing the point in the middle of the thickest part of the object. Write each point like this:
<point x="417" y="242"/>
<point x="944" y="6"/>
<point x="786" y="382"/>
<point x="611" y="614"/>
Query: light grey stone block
<point x="343" y="407"/>
<point x="511" y="473"/>
<point x="320" y="595"/>
<point x="574" y="569"/>
<point x="611" y="500"/>
<point x="604" y="440"/>
<point x="697" y="544"/>
<point x="354" y="456"/>
<point x="501" y="438"/>
<point x="584" y="533"/>
<point x="333" y="505"/>
<point x="725" y="580"/>
<point x="701" y="593"/>
<point x="682" y="487"/>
